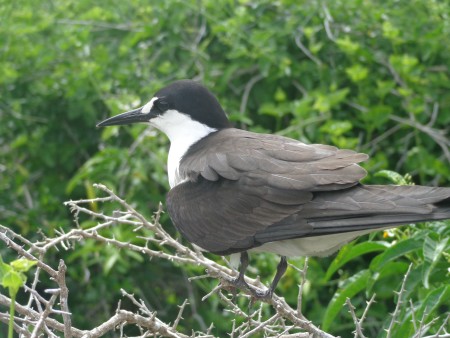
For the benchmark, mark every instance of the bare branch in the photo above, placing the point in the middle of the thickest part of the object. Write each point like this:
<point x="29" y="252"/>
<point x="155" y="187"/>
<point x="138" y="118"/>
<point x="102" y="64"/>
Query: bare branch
<point x="152" y="323"/>
<point x="399" y="304"/>
<point x="437" y="135"/>
<point x="64" y="298"/>
<point x="358" y="331"/>
<point x="366" y="310"/>
<point x="45" y="314"/>
<point x="34" y="316"/>
<point x="180" y="314"/>
<point x="247" y="90"/>
<point x="298" y="42"/>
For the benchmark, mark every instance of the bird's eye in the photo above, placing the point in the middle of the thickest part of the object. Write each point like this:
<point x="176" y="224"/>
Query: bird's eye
<point x="161" y="104"/>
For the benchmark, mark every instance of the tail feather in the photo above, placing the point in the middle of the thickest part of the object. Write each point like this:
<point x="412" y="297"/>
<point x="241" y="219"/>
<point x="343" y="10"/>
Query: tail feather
<point x="334" y="218"/>
<point x="377" y="206"/>
<point x="361" y="208"/>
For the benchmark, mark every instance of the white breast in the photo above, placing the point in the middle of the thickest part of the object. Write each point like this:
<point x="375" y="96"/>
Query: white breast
<point x="182" y="132"/>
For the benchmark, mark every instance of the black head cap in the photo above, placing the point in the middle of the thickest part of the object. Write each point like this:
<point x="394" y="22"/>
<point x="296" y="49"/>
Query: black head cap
<point x="193" y="99"/>
<point x="185" y="96"/>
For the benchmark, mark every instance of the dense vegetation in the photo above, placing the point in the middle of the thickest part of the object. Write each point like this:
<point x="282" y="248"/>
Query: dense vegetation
<point x="366" y="75"/>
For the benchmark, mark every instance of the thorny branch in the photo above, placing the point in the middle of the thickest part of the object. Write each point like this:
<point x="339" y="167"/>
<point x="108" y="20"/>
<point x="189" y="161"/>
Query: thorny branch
<point x="52" y="317"/>
<point x="40" y="313"/>
<point x="358" y="322"/>
<point x="399" y="304"/>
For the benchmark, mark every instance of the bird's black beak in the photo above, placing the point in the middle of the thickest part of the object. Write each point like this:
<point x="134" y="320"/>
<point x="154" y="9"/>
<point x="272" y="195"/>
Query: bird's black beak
<point x="129" y="117"/>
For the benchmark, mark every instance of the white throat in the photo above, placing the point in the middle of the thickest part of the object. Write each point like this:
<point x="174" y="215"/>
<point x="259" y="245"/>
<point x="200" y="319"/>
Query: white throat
<point x="182" y="132"/>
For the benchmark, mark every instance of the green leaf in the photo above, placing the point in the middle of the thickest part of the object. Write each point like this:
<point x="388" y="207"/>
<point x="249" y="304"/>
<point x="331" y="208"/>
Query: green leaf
<point x="302" y="108"/>
<point x="109" y="263"/>
<point x="349" y="252"/>
<point x="240" y="118"/>
<point x="280" y="95"/>
<point x="13" y="281"/>
<point x="413" y="282"/>
<point x="4" y="268"/>
<point x="384" y="88"/>
<point x="377" y="115"/>
<point x="393" y="176"/>
<point x="404" y="63"/>
<point x="389" y="31"/>
<point x="357" y="73"/>
<point x="389" y="269"/>
<point x="336" y="128"/>
<point x="271" y="110"/>
<point x="433" y="300"/>
<point x="136" y="256"/>
<point x="348" y="46"/>
<point x="22" y="264"/>
<point x="338" y="96"/>
<point x="397" y="250"/>
<point x="325" y="101"/>
<point x="432" y="252"/>
<point x="352" y="286"/>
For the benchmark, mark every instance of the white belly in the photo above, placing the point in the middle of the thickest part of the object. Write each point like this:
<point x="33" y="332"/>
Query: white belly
<point x="311" y="246"/>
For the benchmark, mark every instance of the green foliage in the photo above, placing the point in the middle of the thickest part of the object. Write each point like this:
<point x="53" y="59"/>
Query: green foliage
<point x="423" y="247"/>
<point x="386" y="270"/>
<point x="12" y="277"/>
<point x="372" y="79"/>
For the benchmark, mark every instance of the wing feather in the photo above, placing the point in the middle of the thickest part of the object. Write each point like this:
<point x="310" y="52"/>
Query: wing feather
<point x="256" y="181"/>
<point x="242" y="190"/>
<point x="273" y="160"/>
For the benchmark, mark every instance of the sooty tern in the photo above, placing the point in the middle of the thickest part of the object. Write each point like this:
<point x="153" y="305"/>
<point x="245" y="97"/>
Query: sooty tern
<point x="233" y="190"/>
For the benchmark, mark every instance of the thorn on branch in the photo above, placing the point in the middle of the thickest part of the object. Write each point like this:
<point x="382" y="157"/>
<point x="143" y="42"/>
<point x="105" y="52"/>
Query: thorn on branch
<point x="397" y="309"/>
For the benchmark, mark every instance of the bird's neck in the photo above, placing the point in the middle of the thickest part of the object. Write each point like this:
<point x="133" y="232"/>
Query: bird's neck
<point x="183" y="132"/>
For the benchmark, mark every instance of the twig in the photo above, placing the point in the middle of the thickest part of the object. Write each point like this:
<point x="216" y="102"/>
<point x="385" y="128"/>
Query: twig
<point x="366" y="310"/>
<point x="44" y="315"/>
<point x="123" y="27"/>
<point x="437" y="135"/>
<point x="399" y="304"/>
<point x="180" y="314"/>
<point x="301" y="287"/>
<point x="413" y="314"/>
<point x="358" y="328"/>
<point x="152" y="323"/>
<point x="305" y="50"/>
<point x="64" y="298"/>
<point x="327" y="20"/>
<point x="32" y="314"/>
<point x="10" y="243"/>
<point x="247" y="90"/>
<point x="260" y="326"/>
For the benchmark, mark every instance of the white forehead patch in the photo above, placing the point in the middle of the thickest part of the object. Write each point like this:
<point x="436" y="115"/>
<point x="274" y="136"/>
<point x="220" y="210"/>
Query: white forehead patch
<point x="148" y="106"/>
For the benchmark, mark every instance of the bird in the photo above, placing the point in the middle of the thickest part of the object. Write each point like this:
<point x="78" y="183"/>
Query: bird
<point x="234" y="191"/>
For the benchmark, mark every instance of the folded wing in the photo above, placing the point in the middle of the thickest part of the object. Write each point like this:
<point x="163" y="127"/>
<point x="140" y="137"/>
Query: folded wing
<point x="240" y="184"/>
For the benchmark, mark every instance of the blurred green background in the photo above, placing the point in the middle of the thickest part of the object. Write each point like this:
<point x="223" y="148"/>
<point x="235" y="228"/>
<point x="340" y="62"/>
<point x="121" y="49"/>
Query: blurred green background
<point x="366" y="75"/>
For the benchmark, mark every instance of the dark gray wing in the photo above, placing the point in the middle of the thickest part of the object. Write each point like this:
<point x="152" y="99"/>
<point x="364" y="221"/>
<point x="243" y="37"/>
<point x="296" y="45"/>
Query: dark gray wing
<point x="239" y="184"/>
<point x="223" y="216"/>
<point x="276" y="161"/>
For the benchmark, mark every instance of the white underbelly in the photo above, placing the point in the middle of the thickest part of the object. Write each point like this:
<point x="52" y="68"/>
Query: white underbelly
<point x="311" y="246"/>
